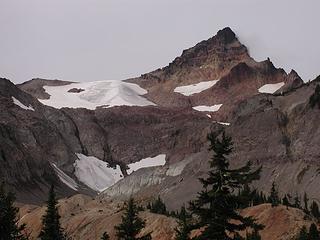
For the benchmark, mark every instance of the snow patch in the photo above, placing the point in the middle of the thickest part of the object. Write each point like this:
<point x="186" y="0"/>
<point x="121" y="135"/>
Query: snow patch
<point x="65" y="178"/>
<point x="95" y="173"/>
<point x="189" y="90"/>
<point x="20" y="104"/>
<point x="270" y="88"/>
<point x="159" y="160"/>
<point x="224" y="123"/>
<point x="213" y="108"/>
<point x="101" y="93"/>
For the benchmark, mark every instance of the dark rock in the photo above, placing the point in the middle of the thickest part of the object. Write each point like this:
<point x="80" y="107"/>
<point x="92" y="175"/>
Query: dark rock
<point x="76" y="90"/>
<point x="35" y="87"/>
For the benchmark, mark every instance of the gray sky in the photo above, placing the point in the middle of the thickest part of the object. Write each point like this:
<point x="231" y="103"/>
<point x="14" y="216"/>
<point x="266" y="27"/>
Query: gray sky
<point x="87" y="40"/>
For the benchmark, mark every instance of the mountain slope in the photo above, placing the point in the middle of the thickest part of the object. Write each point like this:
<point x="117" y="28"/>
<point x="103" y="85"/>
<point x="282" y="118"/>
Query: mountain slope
<point x="222" y="58"/>
<point x="216" y="76"/>
<point x="84" y="218"/>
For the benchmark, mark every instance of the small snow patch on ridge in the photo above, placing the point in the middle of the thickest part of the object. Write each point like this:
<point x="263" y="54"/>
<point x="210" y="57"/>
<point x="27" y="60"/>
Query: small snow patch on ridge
<point x="20" y="104"/>
<point x="189" y="90"/>
<point x="159" y="160"/>
<point x="213" y="108"/>
<point x="270" y="88"/>
<point x="65" y="178"/>
<point x="224" y="123"/>
<point x="95" y="173"/>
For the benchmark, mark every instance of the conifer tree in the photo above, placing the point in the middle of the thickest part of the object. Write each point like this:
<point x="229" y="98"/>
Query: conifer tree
<point x="257" y="197"/>
<point x="183" y="229"/>
<point x="9" y="228"/>
<point x="105" y="236"/>
<point x="303" y="234"/>
<point x="305" y="202"/>
<point x="245" y="196"/>
<point x="158" y="206"/>
<point x="131" y="224"/>
<point x="315" y="210"/>
<point x="285" y="201"/>
<point x="51" y="229"/>
<point x="274" y="196"/>
<point x="315" y="97"/>
<point x="297" y="202"/>
<point x="263" y="197"/>
<point x="313" y="232"/>
<point x="253" y="236"/>
<point x="216" y="205"/>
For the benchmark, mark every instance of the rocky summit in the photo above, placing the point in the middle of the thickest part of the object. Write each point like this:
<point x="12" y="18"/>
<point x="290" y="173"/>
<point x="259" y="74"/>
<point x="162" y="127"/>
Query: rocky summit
<point x="102" y="142"/>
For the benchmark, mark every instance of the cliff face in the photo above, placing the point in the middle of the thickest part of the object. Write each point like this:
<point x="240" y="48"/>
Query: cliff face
<point x="29" y="142"/>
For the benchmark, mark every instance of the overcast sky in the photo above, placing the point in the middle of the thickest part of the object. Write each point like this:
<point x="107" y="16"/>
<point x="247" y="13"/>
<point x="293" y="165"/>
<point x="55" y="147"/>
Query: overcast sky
<point x="88" y="40"/>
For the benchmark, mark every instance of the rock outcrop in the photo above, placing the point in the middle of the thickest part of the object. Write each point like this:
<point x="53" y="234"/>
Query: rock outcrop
<point x="35" y="87"/>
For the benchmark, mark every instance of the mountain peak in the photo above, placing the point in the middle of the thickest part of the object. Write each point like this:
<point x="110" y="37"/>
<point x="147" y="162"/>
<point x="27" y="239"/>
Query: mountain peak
<point x="207" y="60"/>
<point x="226" y="35"/>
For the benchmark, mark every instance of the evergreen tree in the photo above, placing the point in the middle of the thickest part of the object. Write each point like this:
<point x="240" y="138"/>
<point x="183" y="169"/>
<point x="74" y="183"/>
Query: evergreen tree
<point x="105" y="236"/>
<point x="183" y="229"/>
<point x="274" y="197"/>
<point x="263" y="197"/>
<point x="9" y="229"/>
<point x="131" y="224"/>
<point x="258" y="197"/>
<point x="315" y="97"/>
<point x="285" y="201"/>
<point x="313" y="232"/>
<point x="237" y="236"/>
<point x="158" y="206"/>
<point x="297" y="202"/>
<point x="305" y="202"/>
<point x="51" y="229"/>
<point x="303" y="234"/>
<point x="315" y="210"/>
<point x="216" y="205"/>
<point x="245" y="197"/>
<point x="290" y="200"/>
<point x="253" y="236"/>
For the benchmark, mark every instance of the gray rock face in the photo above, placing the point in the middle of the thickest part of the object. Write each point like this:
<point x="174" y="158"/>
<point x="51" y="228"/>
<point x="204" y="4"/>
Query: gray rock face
<point x="28" y="143"/>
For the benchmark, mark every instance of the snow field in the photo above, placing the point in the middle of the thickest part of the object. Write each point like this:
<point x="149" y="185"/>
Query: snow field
<point x="95" y="173"/>
<point x="203" y="108"/>
<point x="20" y="104"/>
<point x="95" y="94"/>
<point x="271" y="88"/>
<point x="159" y="160"/>
<point x="189" y="90"/>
